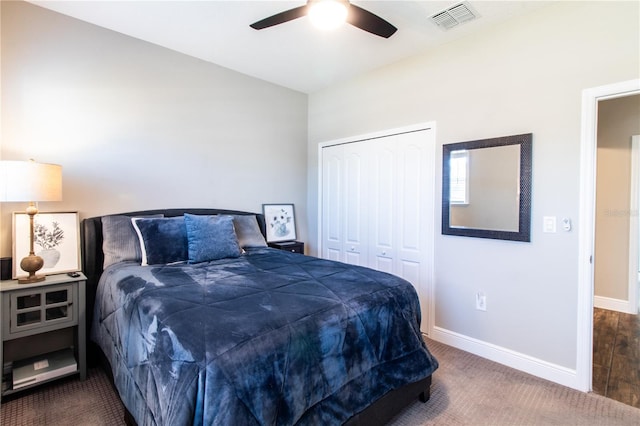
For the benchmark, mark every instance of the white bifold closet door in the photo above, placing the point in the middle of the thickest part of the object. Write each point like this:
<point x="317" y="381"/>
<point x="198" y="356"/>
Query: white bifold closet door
<point x="377" y="205"/>
<point x="344" y="203"/>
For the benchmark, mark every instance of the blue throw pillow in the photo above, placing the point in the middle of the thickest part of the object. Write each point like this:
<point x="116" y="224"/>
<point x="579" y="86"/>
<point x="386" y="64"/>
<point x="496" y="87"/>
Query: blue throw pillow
<point x="211" y="238"/>
<point x="162" y="240"/>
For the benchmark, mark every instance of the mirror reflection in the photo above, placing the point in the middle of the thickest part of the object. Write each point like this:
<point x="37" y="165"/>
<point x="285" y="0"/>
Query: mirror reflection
<point x="486" y="188"/>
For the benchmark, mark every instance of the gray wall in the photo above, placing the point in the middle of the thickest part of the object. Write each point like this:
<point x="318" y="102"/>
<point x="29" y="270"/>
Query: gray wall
<point x="526" y="75"/>
<point x="137" y="126"/>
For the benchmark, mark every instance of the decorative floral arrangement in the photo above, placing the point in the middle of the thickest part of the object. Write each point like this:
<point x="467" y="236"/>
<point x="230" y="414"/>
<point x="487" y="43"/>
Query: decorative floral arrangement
<point x="48" y="239"/>
<point x="280" y="223"/>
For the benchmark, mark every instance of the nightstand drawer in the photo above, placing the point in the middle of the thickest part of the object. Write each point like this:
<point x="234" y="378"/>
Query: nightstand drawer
<point x="291" y="246"/>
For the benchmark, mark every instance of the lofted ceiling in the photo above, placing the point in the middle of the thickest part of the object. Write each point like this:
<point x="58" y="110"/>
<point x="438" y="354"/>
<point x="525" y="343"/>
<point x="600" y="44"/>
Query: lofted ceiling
<point x="294" y="54"/>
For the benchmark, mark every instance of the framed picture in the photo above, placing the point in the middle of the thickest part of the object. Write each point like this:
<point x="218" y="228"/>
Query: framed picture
<point x="281" y="222"/>
<point x="56" y="241"/>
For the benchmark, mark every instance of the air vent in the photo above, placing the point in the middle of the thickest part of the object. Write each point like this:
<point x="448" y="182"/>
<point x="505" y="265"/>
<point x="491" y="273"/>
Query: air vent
<point x="455" y="15"/>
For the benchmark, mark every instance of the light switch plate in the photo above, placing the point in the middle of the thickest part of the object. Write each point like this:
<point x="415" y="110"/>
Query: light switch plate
<point x="549" y="224"/>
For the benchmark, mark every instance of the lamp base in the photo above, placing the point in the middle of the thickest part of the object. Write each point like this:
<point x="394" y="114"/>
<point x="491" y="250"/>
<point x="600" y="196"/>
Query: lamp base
<point x="31" y="264"/>
<point x="31" y="279"/>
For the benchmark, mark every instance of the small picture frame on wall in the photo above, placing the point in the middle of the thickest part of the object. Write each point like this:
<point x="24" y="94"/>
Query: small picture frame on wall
<point x="56" y="241"/>
<point x="281" y="222"/>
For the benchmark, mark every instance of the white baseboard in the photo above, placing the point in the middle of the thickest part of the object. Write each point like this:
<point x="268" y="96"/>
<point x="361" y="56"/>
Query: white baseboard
<point x="537" y="367"/>
<point x="617" y="305"/>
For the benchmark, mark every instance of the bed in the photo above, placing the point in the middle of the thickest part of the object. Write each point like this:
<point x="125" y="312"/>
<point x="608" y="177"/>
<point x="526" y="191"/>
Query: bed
<point x="200" y="324"/>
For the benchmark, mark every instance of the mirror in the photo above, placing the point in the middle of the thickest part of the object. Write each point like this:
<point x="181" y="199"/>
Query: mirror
<point x="486" y="188"/>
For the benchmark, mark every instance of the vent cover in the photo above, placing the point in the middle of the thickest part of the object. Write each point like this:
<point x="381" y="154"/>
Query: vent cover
<point x="458" y="14"/>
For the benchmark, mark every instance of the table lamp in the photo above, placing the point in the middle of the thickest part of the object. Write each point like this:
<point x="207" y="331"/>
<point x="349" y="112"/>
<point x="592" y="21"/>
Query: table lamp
<point x="30" y="182"/>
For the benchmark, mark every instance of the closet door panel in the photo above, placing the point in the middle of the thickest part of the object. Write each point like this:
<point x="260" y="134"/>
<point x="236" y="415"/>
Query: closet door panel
<point x="332" y="170"/>
<point x="355" y="203"/>
<point x="411" y="197"/>
<point x="381" y="209"/>
<point x="410" y="271"/>
<point x="383" y="263"/>
<point x="416" y="215"/>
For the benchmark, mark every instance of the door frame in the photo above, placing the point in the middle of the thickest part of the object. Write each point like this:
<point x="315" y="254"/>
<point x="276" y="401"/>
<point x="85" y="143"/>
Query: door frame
<point x="586" y="237"/>
<point x="634" y="233"/>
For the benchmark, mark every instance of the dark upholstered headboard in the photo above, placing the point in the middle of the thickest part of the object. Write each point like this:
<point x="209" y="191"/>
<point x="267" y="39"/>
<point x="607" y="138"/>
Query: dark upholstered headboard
<point x="91" y="245"/>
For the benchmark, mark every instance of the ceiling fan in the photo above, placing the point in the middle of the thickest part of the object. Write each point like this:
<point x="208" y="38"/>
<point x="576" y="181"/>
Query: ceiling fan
<point x="350" y="13"/>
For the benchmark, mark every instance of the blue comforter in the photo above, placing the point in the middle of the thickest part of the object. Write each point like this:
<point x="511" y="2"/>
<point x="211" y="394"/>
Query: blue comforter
<point x="269" y="338"/>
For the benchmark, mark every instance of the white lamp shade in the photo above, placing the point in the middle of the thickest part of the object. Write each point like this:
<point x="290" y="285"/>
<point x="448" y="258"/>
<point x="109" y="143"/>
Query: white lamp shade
<point x="30" y="181"/>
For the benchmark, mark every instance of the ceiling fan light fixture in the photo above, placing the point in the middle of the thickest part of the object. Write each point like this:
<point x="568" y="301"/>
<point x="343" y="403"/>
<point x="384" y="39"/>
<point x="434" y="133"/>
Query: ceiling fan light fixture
<point x="339" y="11"/>
<point x="328" y="14"/>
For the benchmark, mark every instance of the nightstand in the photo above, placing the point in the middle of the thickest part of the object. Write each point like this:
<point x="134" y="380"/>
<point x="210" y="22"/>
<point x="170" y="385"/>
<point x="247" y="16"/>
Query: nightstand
<point x="43" y="331"/>
<point x="292" y="246"/>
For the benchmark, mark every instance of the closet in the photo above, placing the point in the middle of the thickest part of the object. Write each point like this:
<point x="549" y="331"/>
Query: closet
<point x="377" y="204"/>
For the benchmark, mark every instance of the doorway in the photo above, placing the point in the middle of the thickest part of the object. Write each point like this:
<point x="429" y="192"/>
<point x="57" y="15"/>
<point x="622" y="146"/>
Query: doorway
<point x="616" y="209"/>
<point x="615" y="319"/>
<point x="590" y="102"/>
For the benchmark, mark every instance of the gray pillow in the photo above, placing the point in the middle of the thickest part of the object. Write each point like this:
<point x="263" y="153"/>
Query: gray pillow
<point x="120" y="241"/>
<point x="248" y="231"/>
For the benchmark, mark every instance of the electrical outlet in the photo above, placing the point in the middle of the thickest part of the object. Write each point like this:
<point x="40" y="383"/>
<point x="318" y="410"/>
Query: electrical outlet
<point x="481" y="301"/>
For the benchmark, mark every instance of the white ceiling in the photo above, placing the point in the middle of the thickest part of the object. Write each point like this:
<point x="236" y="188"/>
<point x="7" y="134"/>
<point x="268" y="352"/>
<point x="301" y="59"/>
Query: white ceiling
<point x="293" y="54"/>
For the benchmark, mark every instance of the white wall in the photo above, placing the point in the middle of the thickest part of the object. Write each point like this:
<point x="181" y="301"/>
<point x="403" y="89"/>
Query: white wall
<point x="137" y="126"/>
<point x="523" y="76"/>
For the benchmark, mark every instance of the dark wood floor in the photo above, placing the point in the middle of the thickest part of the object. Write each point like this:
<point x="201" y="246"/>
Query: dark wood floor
<point x="616" y="356"/>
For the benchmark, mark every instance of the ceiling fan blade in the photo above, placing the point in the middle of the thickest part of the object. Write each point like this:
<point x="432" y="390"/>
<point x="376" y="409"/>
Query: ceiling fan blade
<point x="367" y="21"/>
<point x="280" y="18"/>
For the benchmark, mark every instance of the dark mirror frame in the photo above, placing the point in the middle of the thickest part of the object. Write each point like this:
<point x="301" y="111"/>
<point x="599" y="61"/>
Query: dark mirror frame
<point x="524" y="228"/>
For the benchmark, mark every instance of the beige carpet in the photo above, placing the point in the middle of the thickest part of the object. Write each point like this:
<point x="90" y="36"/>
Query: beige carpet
<point x="469" y="390"/>
<point x="67" y="402"/>
<point x="466" y="390"/>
